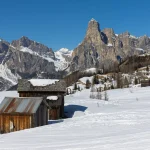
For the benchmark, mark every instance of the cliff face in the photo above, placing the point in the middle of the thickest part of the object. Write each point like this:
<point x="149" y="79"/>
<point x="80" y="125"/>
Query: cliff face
<point x="105" y="49"/>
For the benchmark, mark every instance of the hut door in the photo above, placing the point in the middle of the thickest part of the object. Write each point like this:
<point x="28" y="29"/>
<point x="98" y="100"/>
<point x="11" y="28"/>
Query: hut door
<point x="11" y="125"/>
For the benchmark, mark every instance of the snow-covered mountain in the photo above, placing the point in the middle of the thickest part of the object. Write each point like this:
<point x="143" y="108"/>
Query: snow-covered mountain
<point x="63" y="58"/>
<point x="25" y="58"/>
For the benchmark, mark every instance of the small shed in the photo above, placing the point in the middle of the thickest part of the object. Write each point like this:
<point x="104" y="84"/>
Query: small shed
<point x="54" y="104"/>
<point x="45" y="88"/>
<point x="22" y="113"/>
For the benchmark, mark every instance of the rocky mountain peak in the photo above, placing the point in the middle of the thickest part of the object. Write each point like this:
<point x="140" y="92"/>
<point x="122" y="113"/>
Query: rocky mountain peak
<point x="105" y="49"/>
<point x="23" y="41"/>
<point x="34" y="46"/>
<point x="93" y="30"/>
<point x="109" y="35"/>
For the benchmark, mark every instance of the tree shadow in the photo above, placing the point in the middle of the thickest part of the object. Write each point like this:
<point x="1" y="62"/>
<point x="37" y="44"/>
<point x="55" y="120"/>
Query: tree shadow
<point x="71" y="109"/>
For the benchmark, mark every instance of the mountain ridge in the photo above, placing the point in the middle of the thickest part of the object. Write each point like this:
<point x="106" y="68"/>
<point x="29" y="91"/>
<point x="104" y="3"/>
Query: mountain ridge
<point x="102" y="49"/>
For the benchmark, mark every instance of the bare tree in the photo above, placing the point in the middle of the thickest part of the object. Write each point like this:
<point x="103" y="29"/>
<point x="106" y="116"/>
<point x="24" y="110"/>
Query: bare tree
<point x="99" y="95"/>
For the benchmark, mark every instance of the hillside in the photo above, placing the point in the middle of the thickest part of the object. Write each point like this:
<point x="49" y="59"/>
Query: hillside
<point x="120" y="123"/>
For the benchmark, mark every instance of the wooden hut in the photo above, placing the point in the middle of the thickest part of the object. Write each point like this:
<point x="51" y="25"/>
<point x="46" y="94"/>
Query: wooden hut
<point x="45" y="88"/>
<point x="55" y="105"/>
<point x="22" y="113"/>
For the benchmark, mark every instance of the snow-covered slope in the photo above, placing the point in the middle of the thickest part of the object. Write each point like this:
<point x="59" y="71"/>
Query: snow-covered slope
<point x="7" y="78"/>
<point x="121" y="123"/>
<point x="7" y="74"/>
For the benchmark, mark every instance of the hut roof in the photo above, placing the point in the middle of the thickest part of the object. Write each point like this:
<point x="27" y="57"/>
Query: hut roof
<point x="20" y="105"/>
<point x="41" y="85"/>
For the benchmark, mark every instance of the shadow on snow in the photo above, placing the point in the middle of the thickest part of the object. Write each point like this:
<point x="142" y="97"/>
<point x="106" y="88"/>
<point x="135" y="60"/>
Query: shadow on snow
<point x="71" y="109"/>
<point x="54" y="121"/>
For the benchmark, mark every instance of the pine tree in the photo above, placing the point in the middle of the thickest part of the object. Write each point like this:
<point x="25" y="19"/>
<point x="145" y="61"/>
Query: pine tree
<point x="75" y="87"/>
<point x="67" y="92"/>
<point x="147" y="70"/>
<point x="79" y="89"/>
<point x="88" y="84"/>
<point x="126" y="82"/>
<point x="112" y="87"/>
<point x="136" y="81"/>
<point x="95" y="80"/>
<point x="118" y="81"/>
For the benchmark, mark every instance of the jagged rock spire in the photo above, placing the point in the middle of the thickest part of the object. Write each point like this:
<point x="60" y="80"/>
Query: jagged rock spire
<point x="93" y="30"/>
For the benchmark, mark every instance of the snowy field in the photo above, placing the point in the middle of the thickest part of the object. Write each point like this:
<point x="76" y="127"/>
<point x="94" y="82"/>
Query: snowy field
<point x="122" y="123"/>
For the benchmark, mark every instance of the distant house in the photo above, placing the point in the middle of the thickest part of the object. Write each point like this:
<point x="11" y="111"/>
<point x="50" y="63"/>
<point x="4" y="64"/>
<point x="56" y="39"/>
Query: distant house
<point x="22" y="113"/>
<point x="45" y="88"/>
<point x="145" y="83"/>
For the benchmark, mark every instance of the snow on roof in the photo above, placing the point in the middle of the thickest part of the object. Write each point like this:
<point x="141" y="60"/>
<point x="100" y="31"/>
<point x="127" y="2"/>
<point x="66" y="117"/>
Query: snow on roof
<point x="53" y="98"/>
<point x="42" y="82"/>
<point x="84" y="79"/>
<point x="140" y="49"/>
<point x="109" y="44"/>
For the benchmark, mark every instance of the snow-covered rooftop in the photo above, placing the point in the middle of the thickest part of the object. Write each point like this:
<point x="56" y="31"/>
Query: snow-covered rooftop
<point x="42" y="82"/>
<point x="52" y="98"/>
<point x="109" y="44"/>
<point x="94" y="70"/>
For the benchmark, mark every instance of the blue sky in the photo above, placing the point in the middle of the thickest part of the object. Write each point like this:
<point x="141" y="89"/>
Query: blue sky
<point x="63" y="23"/>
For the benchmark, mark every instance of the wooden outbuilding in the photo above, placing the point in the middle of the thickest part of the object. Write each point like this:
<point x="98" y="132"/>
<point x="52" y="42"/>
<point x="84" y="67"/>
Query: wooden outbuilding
<point x="45" y="88"/>
<point x="22" y="113"/>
